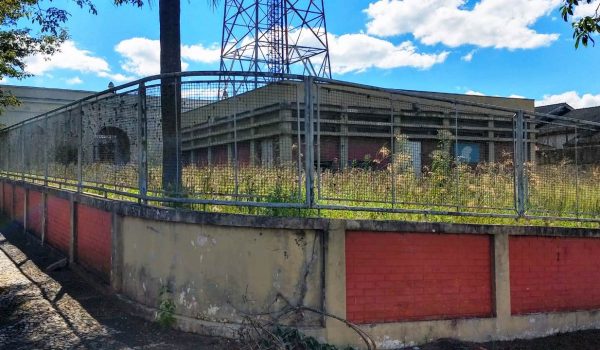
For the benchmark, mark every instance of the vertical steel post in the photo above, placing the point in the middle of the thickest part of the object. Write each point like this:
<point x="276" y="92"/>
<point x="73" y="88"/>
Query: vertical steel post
<point x="22" y="133"/>
<point x="393" y="150"/>
<point x="318" y="148"/>
<point x="456" y="159"/>
<point x="46" y="143"/>
<point x="577" y="209"/>
<point x="299" y="142"/>
<point x="142" y="129"/>
<point x="79" y="120"/>
<point x="519" y="165"/>
<point x="235" y="146"/>
<point x="309" y="140"/>
<point x="177" y="85"/>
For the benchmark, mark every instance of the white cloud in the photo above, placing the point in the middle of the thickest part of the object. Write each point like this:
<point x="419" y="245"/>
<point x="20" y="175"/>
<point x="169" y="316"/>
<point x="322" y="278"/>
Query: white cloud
<point x="468" y="57"/>
<point x="141" y="56"/>
<point x="572" y="98"/>
<point x="201" y="54"/>
<point x="72" y="58"/>
<point x="585" y="9"/>
<point x="475" y="93"/>
<point x="359" y="52"/>
<point x="490" y="23"/>
<point x="74" y="81"/>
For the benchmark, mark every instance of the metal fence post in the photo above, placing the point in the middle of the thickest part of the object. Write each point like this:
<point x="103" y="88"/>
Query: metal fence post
<point x="142" y="143"/>
<point x="236" y="189"/>
<point x="457" y="159"/>
<point x="519" y="165"/>
<point x="318" y="145"/>
<point x="22" y="133"/>
<point x="577" y="194"/>
<point x="46" y="143"/>
<point x="309" y="139"/>
<point x="393" y="149"/>
<point x="79" y="147"/>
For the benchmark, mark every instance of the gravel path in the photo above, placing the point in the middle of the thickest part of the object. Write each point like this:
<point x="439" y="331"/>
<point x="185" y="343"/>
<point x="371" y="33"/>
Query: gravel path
<point x="59" y="310"/>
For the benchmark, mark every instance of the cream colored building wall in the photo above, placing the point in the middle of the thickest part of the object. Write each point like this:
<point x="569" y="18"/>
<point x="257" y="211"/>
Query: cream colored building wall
<point x="36" y="101"/>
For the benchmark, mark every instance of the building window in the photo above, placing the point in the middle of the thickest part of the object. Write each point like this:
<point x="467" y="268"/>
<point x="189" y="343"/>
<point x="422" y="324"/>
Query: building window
<point x="468" y="152"/>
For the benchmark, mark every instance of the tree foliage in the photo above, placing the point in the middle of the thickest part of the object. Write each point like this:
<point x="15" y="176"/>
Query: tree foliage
<point x="585" y="27"/>
<point x="33" y="27"/>
<point x="27" y="28"/>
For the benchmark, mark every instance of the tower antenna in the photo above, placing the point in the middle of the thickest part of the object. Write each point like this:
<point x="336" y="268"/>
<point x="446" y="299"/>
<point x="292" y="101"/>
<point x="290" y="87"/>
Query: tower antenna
<point x="275" y="36"/>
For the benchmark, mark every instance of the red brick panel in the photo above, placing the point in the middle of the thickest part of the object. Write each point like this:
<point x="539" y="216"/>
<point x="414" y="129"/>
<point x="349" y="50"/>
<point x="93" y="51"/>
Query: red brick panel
<point x="393" y="277"/>
<point x="554" y="274"/>
<point x="19" y="206"/>
<point x="58" y="226"/>
<point x="35" y="212"/>
<point x="8" y="200"/>
<point x="94" y="240"/>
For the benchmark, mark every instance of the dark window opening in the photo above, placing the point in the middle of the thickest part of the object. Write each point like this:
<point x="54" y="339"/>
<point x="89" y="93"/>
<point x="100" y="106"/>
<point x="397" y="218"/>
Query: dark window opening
<point x="112" y="146"/>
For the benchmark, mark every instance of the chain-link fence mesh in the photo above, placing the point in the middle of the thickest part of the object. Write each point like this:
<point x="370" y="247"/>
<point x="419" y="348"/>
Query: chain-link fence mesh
<point x="212" y="140"/>
<point x="379" y="149"/>
<point x="562" y="177"/>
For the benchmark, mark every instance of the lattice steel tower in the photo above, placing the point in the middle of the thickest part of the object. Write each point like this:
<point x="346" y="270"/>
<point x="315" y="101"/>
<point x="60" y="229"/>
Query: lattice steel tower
<point x="275" y="36"/>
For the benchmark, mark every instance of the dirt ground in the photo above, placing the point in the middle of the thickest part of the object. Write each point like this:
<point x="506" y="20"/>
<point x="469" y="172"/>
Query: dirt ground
<point x="60" y="310"/>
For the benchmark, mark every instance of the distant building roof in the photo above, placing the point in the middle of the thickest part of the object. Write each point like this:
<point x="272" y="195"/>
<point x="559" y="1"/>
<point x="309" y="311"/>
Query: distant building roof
<point x="36" y="101"/>
<point x="569" y="114"/>
<point x="591" y="114"/>
<point x="567" y="123"/>
<point x="556" y="109"/>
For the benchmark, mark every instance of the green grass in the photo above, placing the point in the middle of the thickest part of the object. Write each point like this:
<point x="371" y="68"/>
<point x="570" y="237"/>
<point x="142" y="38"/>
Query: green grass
<point x="559" y="191"/>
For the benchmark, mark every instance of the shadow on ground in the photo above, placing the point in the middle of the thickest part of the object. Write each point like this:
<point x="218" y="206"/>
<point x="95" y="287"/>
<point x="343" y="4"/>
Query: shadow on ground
<point x="60" y="310"/>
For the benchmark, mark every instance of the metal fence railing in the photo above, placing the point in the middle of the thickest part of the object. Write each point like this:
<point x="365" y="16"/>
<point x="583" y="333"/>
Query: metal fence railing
<point x="283" y="143"/>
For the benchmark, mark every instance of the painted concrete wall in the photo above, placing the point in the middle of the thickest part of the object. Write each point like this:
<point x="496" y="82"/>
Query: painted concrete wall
<point x="221" y="273"/>
<point x="403" y="283"/>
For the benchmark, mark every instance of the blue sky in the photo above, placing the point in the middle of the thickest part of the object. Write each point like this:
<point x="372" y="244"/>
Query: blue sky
<point x="492" y="47"/>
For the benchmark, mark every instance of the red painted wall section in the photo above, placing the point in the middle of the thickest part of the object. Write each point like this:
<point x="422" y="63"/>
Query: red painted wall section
<point x="358" y="148"/>
<point x="8" y="200"/>
<point x="19" y="206"/>
<point x="220" y="155"/>
<point x="330" y="149"/>
<point x="243" y="153"/>
<point x="35" y="212"/>
<point x="94" y="240"/>
<point x="58" y="233"/>
<point x="554" y="274"/>
<point x="393" y="277"/>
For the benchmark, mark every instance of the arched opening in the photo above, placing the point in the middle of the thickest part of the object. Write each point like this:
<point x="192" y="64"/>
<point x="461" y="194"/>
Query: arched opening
<point x="112" y="146"/>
